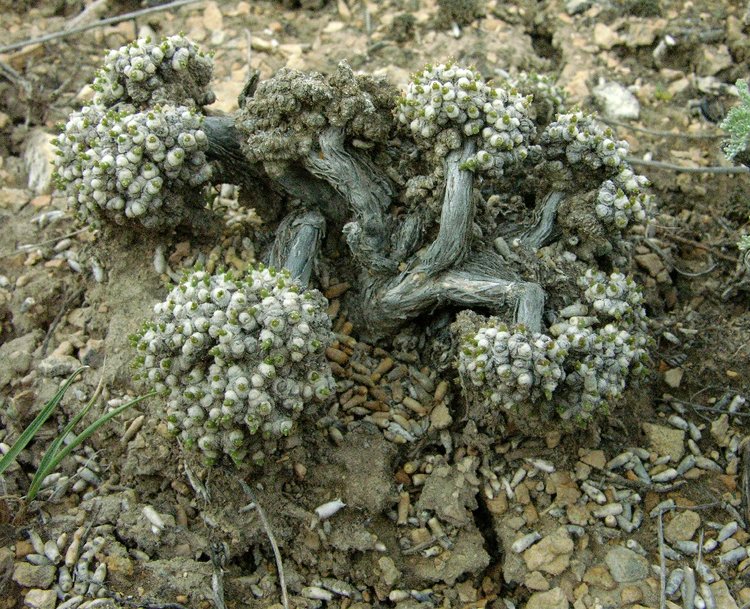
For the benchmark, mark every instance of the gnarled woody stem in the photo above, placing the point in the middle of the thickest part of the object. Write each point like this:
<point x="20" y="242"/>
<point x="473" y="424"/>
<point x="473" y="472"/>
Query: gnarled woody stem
<point x="297" y="243"/>
<point x="446" y="273"/>
<point x="233" y="167"/>
<point x="368" y="194"/>
<point x="482" y="281"/>
<point x="456" y="216"/>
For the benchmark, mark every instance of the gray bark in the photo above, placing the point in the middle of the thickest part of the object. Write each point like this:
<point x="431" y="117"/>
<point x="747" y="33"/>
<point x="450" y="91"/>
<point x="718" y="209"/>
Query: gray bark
<point x="544" y="225"/>
<point x="342" y="184"/>
<point x="297" y="244"/>
<point x="368" y="195"/>
<point x="483" y="281"/>
<point x="457" y="214"/>
<point x="225" y="149"/>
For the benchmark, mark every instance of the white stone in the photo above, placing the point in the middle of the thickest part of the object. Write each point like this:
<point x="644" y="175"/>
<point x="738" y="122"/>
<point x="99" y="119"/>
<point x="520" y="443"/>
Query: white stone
<point x="616" y="101"/>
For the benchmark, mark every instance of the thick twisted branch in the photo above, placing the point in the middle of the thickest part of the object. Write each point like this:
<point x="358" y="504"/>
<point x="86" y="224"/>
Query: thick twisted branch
<point x="368" y="195"/>
<point x="482" y="281"/>
<point x="457" y="214"/>
<point x="297" y="243"/>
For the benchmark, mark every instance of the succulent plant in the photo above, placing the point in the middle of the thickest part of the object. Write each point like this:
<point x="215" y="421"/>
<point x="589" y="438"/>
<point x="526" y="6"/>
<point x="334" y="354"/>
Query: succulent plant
<point x="138" y="151"/>
<point x="460" y="192"/>
<point x="578" y="370"/>
<point x="236" y="358"/>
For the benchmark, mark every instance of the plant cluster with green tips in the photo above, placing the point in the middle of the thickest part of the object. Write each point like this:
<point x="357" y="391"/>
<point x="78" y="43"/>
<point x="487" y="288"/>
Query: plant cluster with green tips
<point x="237" y="358"/>
<point x="459" y="194"/>
<point x="449" y="96"/>
<point x="578" y="370"/>
<point x="137" y="152"/>
<point x="737" y="125"/>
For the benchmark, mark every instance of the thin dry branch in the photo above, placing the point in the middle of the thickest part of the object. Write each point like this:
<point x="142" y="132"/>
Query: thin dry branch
<point x="662" y="566"/>
<point x="716" y="170"/>
<point x="658" y="133"/>
<point x="88" y="15"/>
<point x="272" y="539"/>
<point x="697" y="244"/>
<point x="89" y="26"/>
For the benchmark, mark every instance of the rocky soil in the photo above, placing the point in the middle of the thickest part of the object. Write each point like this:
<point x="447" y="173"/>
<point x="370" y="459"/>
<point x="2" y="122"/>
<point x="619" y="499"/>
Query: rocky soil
<point x="647" y="509"/>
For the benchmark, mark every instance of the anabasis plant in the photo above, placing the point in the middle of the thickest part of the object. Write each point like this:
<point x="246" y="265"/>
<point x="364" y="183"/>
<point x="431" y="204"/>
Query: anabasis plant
<point x="138" y="150"/>
<point x="236" y="357"/>
<point x="458" y="194"/>
<point x="737" y="125"/>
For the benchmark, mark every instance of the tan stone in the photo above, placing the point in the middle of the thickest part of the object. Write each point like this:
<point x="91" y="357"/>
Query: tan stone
<point x="553" y="599"/>
<point x="682" y="527"/>
<point x="598" y="576"/>
<point x="720" y="430"/>
<point x="552" y="439"/>
<point x="673" y="377"/>
<point x="213" y="20"/>
<point x="536" y="581"/>
<point x="722" y="596"/>
<point x="14" y="199"/>
<point x="605" y="37"/>
<point x="498" y="504"/>
<point x="630" y="594"/>
<point x="440" y="417"/>
<point x="40" y="599"/>
<point x="643" y="33"/>
<point x="565" y="489"/>
<point x="650" y="262"/>
<point x="551" y="554"/>
<point x="713" y="59"/>
<point x="665" y="440"/>
<point x="595" y="458"/>
<point x="578" y="514"/>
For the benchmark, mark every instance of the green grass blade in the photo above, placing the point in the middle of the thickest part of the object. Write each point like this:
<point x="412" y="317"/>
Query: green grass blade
<point x="52" y="450"/>
<point x="37" y="423"/>
<point x="55" y="446"/>
<point x="41" y="474"/>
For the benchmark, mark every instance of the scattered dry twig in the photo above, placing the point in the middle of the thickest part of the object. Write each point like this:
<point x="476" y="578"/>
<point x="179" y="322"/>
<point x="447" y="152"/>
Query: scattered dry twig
<point x="89" y="26"/>
<point x="420" y="546"/>
<point x="218" y="560"/>
<point x="718" y="170"/>
<point x="272" y="539"/>
<point x="60" y="313"/>
<point x="14" y="77"/>
<point x="30" y="246"/>
<point x="88" y="14"/>
<point x="198" y="487"/>
<point x="249" y="40"/>
<point x="745" y="478"/>
<point x="656" y="132"/>
<point x="671" y="266"/>
<point x="662" y="566"/>
<point x="706" y="271"/>
<point x="697" y="244"/>
<point x="643" y="486"/>
<point x="128" y="601"/>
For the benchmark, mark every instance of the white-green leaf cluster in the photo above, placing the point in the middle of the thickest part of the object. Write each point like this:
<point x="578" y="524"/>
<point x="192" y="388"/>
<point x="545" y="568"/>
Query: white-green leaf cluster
<point x="119" y="163"/>
<point x="144" y="72"/>
<point x="581" y="365"/>
<point x="737" y="123"/>
<point x="236" y="356"/>
<point x="138" y="150"/>
<point x="449" y="96"/>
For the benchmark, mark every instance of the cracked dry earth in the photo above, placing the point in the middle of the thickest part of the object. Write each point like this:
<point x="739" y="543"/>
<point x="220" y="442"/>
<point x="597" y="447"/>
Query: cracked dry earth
<point x="646" y="509"/>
